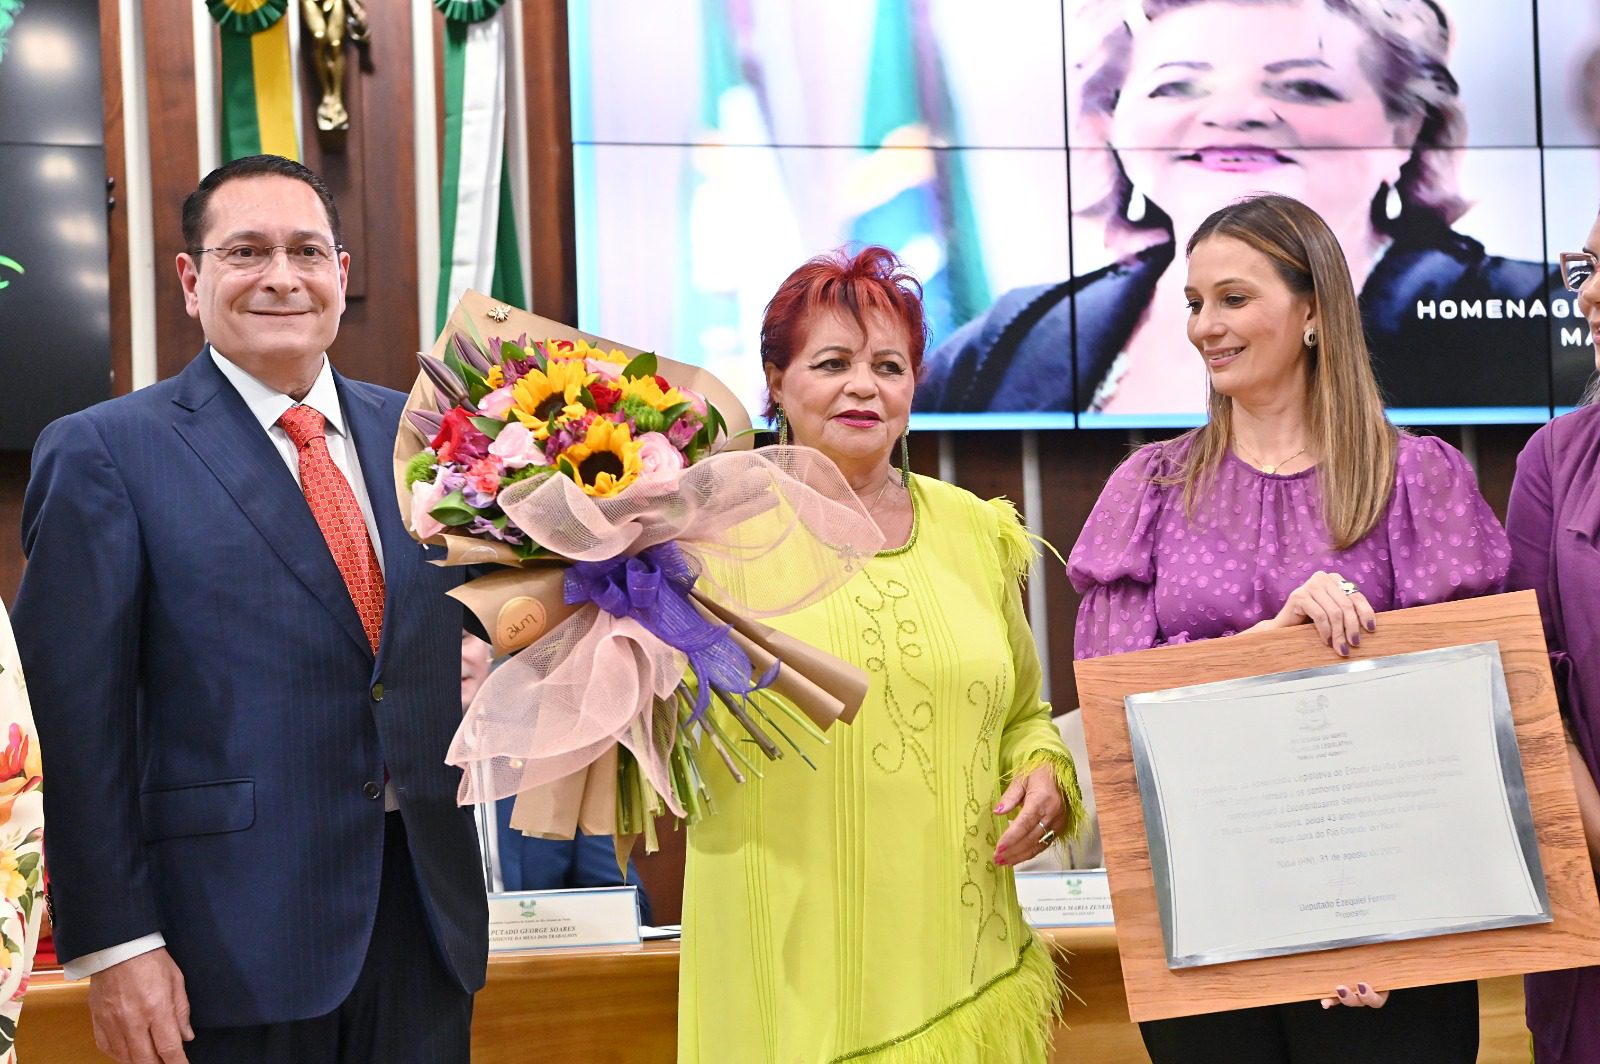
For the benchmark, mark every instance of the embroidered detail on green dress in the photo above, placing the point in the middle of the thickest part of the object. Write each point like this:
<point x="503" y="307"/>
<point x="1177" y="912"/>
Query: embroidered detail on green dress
<point x="1009" y="1019"/>
<point x="982" y="828"/>
<point x="894" y="627"/>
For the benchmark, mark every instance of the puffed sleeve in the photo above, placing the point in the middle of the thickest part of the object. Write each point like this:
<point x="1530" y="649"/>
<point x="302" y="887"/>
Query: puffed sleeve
<point x="1529" y="523"/>
<point x="21" y="830"/>
<point x="1113" y="563"/>
<point x="1028" y="738"/>
<point x="1444" y="541"/>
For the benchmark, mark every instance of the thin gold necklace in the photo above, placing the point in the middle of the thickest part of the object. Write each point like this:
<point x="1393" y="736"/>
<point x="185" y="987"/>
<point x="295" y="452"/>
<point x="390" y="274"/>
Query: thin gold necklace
<point x="1268" y="469"/>
<point x="876" y="499"/>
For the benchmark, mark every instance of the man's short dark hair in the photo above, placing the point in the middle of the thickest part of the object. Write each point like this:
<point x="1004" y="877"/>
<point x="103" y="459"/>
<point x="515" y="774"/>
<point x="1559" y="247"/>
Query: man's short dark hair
<point x="195" y="204"/>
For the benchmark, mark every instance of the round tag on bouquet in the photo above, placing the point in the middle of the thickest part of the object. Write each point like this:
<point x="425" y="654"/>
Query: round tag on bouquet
<point x="521" y="621"/>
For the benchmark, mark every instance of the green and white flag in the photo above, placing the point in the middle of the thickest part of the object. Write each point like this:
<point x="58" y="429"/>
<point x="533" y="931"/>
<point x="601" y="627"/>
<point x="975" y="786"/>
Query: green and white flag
<point x="477" y="225"/>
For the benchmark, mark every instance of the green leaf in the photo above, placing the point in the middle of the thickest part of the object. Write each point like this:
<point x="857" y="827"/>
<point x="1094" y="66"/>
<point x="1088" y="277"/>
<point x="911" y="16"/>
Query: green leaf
<point x="673" y="412"/>
<point x="27" y="864"/>
<point x="509" y="350"/>
<point x="453" y="510"/>
<point x="489" y="426"/>
<point x="643" y="365"/>
<point x="566" y="468"/>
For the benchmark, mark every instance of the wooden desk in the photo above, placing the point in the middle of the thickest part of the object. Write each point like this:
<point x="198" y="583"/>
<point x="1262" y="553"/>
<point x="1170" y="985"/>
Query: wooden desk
<point x="620" y="1005"/>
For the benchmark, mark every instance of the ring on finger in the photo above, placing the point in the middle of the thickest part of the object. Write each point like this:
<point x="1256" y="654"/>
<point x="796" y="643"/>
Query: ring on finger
<point x="1048" y="837"/>
<point x="1347" y="587"/>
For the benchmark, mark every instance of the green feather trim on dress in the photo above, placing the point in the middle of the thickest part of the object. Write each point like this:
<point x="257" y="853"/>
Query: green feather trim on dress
<point x="1009" y="1020"/>
<point x="1066" y="778"/>
<point x="1019" y="548"/>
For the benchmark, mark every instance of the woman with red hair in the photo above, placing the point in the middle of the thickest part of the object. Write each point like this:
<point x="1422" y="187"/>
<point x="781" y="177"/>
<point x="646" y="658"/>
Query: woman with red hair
<point x="865" y="909"/>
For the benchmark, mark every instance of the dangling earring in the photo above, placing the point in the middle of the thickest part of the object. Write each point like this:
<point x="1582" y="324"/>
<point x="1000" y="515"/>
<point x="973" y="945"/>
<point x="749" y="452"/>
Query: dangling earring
<point x="783" y="429"/>
<point x="905" y="458"/>
<point x="1137" y="206"/>
<point x="1310" y="336"/>
<point x="1392" y="204"/>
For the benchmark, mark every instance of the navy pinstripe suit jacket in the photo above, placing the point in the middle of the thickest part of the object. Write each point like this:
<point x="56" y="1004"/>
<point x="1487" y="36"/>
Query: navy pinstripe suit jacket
<point x="209" y="710"/>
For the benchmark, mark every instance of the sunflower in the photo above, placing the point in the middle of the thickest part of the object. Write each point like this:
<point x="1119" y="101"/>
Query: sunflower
<point x="648" y="390"/>
<point x="542" y="396"/>
<point x="605" y="461"/>
<point x="580" y="349"/>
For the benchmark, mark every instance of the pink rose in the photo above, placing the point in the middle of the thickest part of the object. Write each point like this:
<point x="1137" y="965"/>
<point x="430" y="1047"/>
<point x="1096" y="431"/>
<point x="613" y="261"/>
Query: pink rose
<point x="516" y="447"/>
<point x="697" y="402"/>
<point x="497" y="403"/>
<point x="609" y="371"/>
<point x="424" y="497"/>
<point x="660" y="463"/>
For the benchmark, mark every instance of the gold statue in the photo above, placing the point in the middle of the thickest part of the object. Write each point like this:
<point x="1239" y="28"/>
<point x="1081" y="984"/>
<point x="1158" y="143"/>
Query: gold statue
<point x="331" y="23"/>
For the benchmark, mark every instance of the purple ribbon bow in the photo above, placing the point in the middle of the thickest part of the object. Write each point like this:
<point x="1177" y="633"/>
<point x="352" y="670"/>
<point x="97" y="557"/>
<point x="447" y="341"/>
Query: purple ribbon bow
<point x="652" y="587"/>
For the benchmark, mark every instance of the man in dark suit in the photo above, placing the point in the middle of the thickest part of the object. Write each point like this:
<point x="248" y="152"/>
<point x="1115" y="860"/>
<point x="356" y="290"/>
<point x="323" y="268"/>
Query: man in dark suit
<point x="245" y="678"/>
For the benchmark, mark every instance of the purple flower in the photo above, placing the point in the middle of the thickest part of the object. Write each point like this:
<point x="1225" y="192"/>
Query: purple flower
<point x="681" y="431"/>
<point x="482" y="526"/>
<point x="451" y="479"/>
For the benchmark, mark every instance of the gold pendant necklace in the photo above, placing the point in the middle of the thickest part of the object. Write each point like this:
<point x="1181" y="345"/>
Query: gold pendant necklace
<point x="1267" y="469"/>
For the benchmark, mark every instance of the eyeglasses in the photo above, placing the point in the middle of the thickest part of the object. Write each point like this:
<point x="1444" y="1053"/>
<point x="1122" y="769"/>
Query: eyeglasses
<point x="1576" y="269"/>
<point x="253" y="258"/>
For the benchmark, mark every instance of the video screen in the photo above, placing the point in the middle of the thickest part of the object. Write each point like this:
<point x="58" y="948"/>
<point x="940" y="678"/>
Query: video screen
<point x="1041" y="163"/>
<point x="55" y="310"/>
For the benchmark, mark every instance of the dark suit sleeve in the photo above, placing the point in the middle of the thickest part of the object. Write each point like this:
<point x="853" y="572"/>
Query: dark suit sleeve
<point x="77" y="622"/>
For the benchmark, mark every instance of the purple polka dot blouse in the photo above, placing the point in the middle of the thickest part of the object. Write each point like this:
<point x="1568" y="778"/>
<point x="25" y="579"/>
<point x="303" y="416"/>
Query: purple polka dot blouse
<point x="1149" y="575"/>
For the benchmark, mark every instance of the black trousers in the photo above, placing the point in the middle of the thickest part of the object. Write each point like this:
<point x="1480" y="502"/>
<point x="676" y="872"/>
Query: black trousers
<point x="1423" y="1025"/>
<point x="404" y="1009"/>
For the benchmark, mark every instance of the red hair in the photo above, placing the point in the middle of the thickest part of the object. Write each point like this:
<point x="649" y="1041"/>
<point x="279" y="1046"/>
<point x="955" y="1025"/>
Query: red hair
<point x="872" y="280"/>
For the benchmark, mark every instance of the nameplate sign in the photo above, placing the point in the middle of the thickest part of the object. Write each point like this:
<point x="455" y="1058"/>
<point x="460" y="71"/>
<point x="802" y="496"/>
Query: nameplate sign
<point x="1065" y="899"/>
<point x="563" y="919"/>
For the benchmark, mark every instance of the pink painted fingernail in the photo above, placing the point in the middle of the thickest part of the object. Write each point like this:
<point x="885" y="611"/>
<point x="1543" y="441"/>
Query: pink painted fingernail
<point x="1363" y="988"/>
<point x="1343" y="992"/>
<point x="1355" y="640"/>
<point x="1372" y="626"/>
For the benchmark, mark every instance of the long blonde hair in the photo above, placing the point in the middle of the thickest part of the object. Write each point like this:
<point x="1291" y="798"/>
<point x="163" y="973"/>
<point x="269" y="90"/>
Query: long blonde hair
<point x="1354" y="443"/>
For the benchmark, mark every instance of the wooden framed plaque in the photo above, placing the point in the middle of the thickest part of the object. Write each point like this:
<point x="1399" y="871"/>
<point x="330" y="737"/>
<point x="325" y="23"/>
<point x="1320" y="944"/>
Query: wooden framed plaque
<point x="1169" y="924"/>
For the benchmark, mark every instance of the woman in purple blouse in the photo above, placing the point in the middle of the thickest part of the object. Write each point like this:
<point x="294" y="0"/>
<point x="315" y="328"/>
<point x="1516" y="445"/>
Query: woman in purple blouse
<point x="1297" y="502"/>
<point x="1554" y="523"/>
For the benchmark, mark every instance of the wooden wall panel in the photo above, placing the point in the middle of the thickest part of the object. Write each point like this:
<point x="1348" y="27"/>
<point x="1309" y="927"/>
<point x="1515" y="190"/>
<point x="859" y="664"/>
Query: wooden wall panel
<point x="117" y="195"/>
<point x="174" y="167"/>
<point x="373" y="180"/>
<point x="554" y="280"/>
<point x="13" y="479"/>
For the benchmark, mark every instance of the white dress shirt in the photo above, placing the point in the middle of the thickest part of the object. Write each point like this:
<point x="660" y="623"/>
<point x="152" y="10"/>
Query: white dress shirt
<point x="267" y="404"/>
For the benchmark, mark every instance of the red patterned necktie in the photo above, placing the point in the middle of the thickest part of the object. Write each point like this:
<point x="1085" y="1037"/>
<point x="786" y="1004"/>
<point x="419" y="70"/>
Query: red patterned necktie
<point x="338" y="514"/>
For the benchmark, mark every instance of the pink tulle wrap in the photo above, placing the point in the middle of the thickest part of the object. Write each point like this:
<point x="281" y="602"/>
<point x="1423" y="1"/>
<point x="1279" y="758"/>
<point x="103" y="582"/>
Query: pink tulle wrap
<point x="770" y="531"/>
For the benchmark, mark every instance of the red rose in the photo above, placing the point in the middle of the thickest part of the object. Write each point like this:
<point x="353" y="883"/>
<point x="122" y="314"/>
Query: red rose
<point x="605" y="396"/>
<point x="662" y="383"/>
<point x="459" y="439"/>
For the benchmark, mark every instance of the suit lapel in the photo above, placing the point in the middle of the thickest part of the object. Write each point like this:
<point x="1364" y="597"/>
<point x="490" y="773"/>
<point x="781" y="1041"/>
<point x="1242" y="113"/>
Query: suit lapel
<point x="220" y="429"/>
<point x="374" y="417"/>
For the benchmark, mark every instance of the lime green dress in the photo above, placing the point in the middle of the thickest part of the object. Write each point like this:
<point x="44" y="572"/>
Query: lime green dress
<point x="854" y="912"/>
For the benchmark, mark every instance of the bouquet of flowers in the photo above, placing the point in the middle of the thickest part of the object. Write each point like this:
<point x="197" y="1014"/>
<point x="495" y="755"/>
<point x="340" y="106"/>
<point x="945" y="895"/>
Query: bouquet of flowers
<point x="642" y="539"/>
